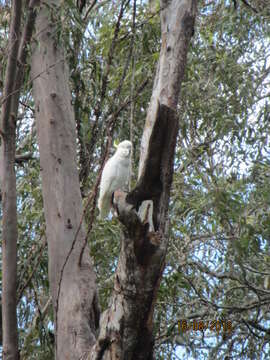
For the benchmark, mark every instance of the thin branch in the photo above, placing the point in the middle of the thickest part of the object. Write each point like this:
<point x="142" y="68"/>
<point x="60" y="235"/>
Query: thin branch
<point x="19" y="159"/>
<point x="27" y="282"/>
<point x="3" y="100"/>
<point x="139" y="25"/>
<point x="91" y="6"/>
<point x="104" y="83"/>
<point x="124" y="4"/>
<point x="250" y="6"/>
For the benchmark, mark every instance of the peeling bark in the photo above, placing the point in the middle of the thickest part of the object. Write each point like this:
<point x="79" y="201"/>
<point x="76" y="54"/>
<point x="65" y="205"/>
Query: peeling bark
<point x="72" y="286"/>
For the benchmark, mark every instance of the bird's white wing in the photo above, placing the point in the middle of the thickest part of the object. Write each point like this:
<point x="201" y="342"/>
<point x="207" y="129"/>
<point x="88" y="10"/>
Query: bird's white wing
<point x="106" y="187"/>
<point x="107" y="177"/>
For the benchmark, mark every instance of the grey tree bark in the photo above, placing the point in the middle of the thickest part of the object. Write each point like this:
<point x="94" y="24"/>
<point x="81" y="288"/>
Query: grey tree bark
<point x="9" y="199"/>
<point x="13" y="81"/>
<point x="72" y="286"/>
<point x="126" y="327"/>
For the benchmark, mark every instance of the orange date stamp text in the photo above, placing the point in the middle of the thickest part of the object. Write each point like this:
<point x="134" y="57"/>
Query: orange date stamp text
<point x="224" y="326"/>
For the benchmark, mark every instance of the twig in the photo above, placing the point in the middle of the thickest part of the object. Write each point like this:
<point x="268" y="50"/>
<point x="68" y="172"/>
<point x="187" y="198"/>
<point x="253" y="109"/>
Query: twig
<point x="89" y="9"/>
<point x="141" y="24"/>
<point x="19" y="159"/>
<point x="250" y="6"/>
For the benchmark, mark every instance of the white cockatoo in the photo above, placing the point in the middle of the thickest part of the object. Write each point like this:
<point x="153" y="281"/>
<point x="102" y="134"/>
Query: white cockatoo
<point x="115" y="176"/>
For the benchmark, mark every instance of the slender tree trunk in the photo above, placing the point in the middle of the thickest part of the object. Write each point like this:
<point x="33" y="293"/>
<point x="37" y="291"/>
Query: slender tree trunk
<point x="9" y="200"/>
<point x="72" y="286"/>
<point x="126" y="327"/>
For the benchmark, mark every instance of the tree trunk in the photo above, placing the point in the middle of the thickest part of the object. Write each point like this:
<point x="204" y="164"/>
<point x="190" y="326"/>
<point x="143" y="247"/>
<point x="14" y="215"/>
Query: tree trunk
<point x="9" y="199"/>
<point x="126" y="327"/>
<point x="72" y="286"/>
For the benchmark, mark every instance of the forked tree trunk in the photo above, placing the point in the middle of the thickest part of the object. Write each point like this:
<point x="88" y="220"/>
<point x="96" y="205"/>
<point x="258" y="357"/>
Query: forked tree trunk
<point x="126" y="328"/>
<point x="72" y="286"/>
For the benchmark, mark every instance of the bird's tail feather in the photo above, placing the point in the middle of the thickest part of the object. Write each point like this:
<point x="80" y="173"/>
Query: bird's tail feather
<point x="104" y="206"/>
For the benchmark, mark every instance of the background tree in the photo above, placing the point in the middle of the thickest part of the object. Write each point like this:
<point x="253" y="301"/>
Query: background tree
<point x="8" y="190"/>
<point x="14" y="76"/>
<point x="72" y="281"/>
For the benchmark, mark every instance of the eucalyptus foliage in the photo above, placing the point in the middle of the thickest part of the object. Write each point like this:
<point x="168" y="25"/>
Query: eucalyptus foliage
<point x="218" y="262"/>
